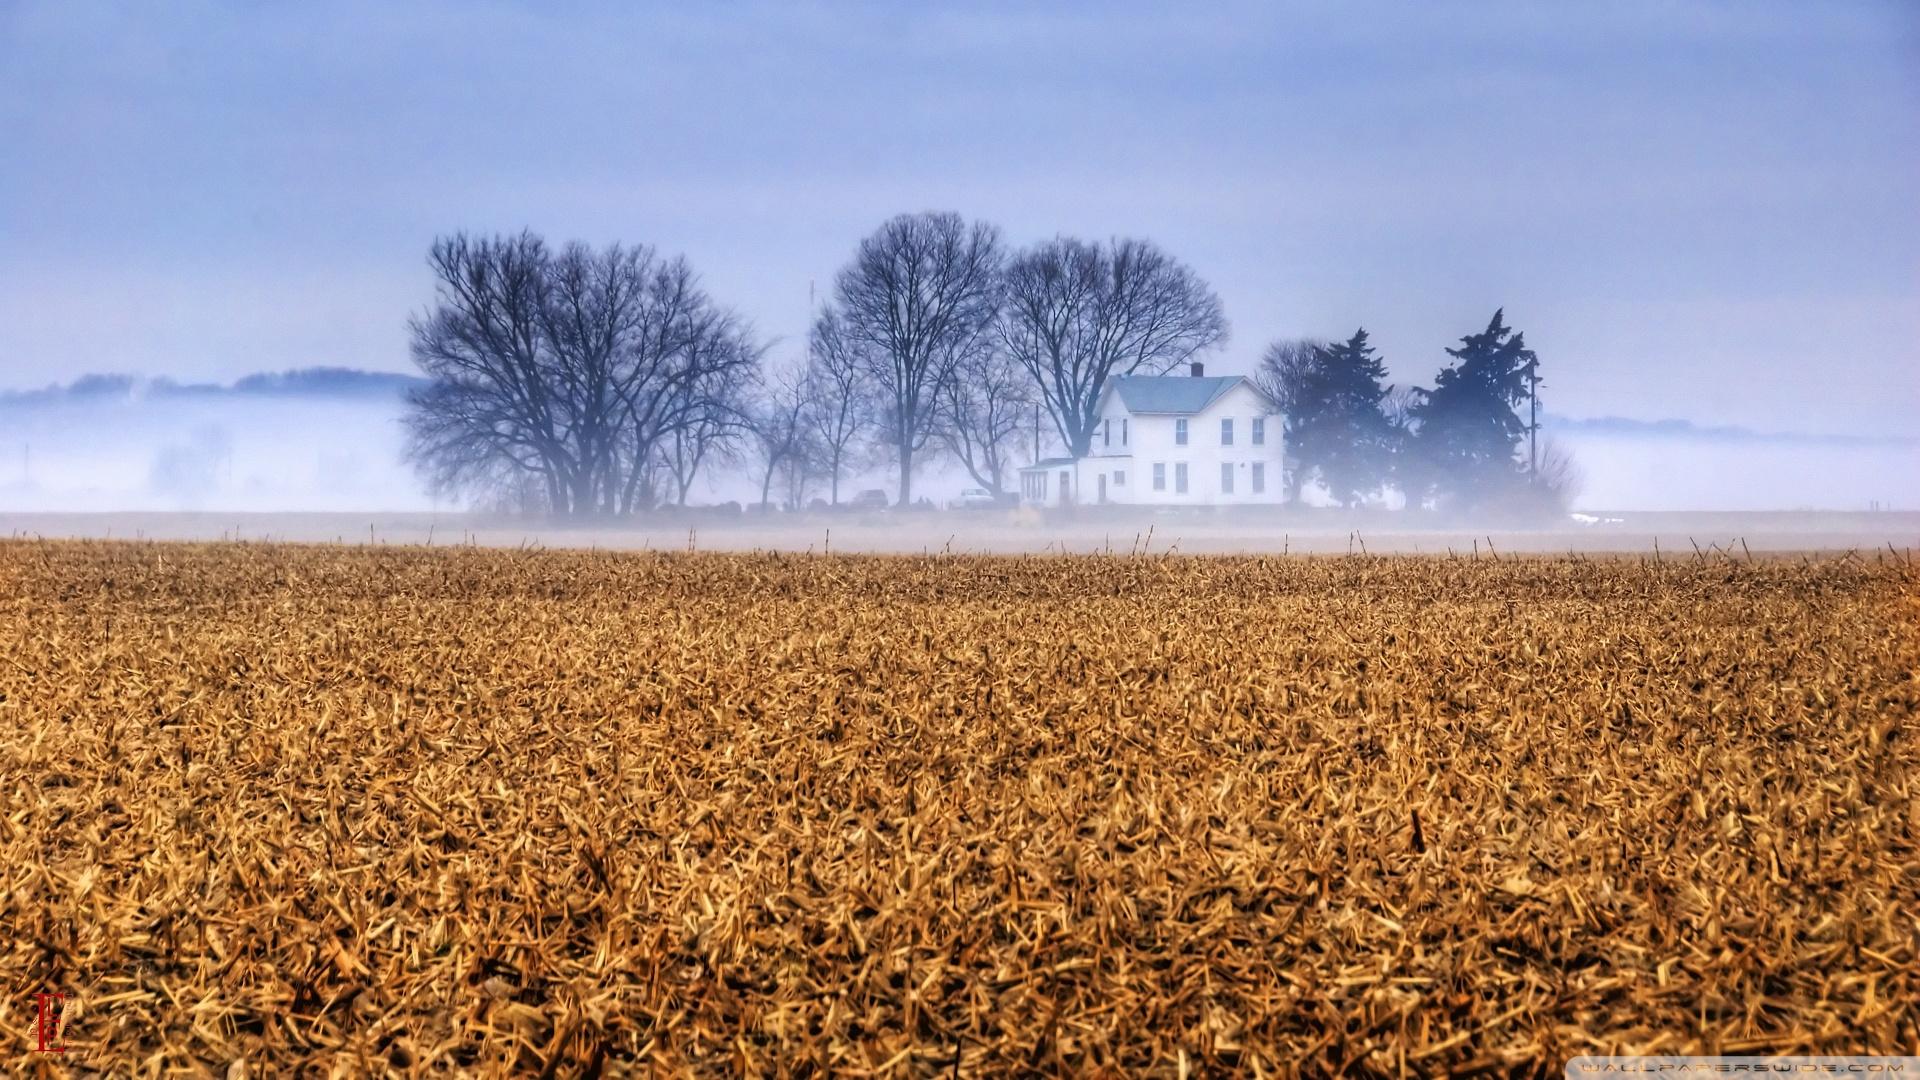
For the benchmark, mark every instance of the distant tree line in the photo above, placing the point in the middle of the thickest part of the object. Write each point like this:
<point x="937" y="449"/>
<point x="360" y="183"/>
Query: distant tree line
<point x="578" y="382"/>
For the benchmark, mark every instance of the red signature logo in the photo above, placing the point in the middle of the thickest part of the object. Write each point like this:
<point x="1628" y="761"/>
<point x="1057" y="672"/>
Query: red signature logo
<point x="49" y="1014"/>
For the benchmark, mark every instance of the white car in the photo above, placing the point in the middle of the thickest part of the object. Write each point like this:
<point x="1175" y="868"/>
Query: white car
<point x="974" y="499"/>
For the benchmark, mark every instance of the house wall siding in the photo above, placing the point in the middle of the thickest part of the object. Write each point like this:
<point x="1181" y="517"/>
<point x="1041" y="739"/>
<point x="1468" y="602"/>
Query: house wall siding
<point x="1150" y="439"/>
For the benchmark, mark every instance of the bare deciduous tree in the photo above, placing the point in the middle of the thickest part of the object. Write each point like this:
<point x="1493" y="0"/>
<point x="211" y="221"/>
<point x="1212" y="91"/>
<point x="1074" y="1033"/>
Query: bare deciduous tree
<point x="486" y="416"/>
<point x="565" y="368"/>
<point x="1076" y="315"/>
<point x="1287" y="374"/>
<point x="917" y="295"/>
<point x="711" y="423"/>
<point x="777" y="426"/>
<point x="840" y="396"/>
<point x="1558" y="478"/>
<point x="688" y="370"/>
<point x="596" y="304"/>
<point x="982" y="408"/>
<point x="1285" y="369"/>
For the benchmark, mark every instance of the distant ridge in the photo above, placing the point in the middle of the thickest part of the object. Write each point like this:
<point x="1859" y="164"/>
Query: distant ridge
<point x="328" y="382"/>
<point x="313" y="382"/>
<point x="1687" y="429"/>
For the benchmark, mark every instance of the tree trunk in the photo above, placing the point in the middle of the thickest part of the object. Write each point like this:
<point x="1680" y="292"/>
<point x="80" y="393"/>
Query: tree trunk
<point x="630" y="497"/>
<point x="766" y="482"/>
<point x="906" y="474"/>
<point x="583" y="494"/>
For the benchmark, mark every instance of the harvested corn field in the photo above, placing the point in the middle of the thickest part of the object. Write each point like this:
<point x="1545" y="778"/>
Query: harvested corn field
<point x="375" y="809"/>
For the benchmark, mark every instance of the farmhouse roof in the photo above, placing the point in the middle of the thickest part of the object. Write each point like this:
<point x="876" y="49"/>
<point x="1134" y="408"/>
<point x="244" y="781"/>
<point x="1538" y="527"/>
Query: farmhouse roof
<point x="1173" y="393"/>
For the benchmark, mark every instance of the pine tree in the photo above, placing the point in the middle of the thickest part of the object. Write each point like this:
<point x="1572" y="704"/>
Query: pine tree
<point x="1340" y="431"/>
<point x="1468" y="433"/>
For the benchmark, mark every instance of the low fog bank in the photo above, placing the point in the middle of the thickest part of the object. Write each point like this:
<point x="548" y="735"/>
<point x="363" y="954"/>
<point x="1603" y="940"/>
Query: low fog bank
<point x="331" y="440"/>
<point x="1111" y="530"/>
<point x="1705" y="472"/>
<point x="204" y="449"/>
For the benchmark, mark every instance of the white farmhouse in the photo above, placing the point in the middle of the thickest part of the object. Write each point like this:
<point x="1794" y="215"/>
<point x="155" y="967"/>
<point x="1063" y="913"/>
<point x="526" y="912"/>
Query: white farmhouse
<point x="1170" y="440"/>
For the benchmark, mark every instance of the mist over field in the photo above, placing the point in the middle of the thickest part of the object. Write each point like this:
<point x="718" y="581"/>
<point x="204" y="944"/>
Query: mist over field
<point x="109" y="445"/>
<point x="334" y="442"/>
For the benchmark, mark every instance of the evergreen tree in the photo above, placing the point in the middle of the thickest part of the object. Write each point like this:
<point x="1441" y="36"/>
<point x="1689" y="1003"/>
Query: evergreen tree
<point x="1468" y="432"/>
<point x="1338" y="428"/>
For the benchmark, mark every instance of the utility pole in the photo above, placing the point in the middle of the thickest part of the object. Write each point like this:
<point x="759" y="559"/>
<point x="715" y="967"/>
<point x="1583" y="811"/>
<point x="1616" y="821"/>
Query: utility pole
<point x="1533" y="418"/>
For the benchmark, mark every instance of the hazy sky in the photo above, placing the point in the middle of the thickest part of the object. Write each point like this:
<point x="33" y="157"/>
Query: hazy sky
<point x="1709" y="211"/>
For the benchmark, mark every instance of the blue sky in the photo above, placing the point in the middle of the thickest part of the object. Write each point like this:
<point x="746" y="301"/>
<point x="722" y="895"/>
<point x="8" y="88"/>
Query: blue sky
<point x="1698" y="210"/>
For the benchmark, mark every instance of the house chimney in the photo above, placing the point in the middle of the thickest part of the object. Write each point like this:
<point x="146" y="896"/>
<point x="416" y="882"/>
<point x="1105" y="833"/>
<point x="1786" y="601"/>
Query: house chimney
<point x="1197" y="369"/>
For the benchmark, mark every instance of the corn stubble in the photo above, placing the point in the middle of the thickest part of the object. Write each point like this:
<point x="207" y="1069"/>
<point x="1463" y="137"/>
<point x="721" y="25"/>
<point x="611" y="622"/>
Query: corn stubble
<point x="364" y="810"/>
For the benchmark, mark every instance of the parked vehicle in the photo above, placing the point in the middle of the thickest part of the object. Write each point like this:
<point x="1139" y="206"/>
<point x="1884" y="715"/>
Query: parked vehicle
<point x="974" y="499"/>
<point x="870" y="499"/>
